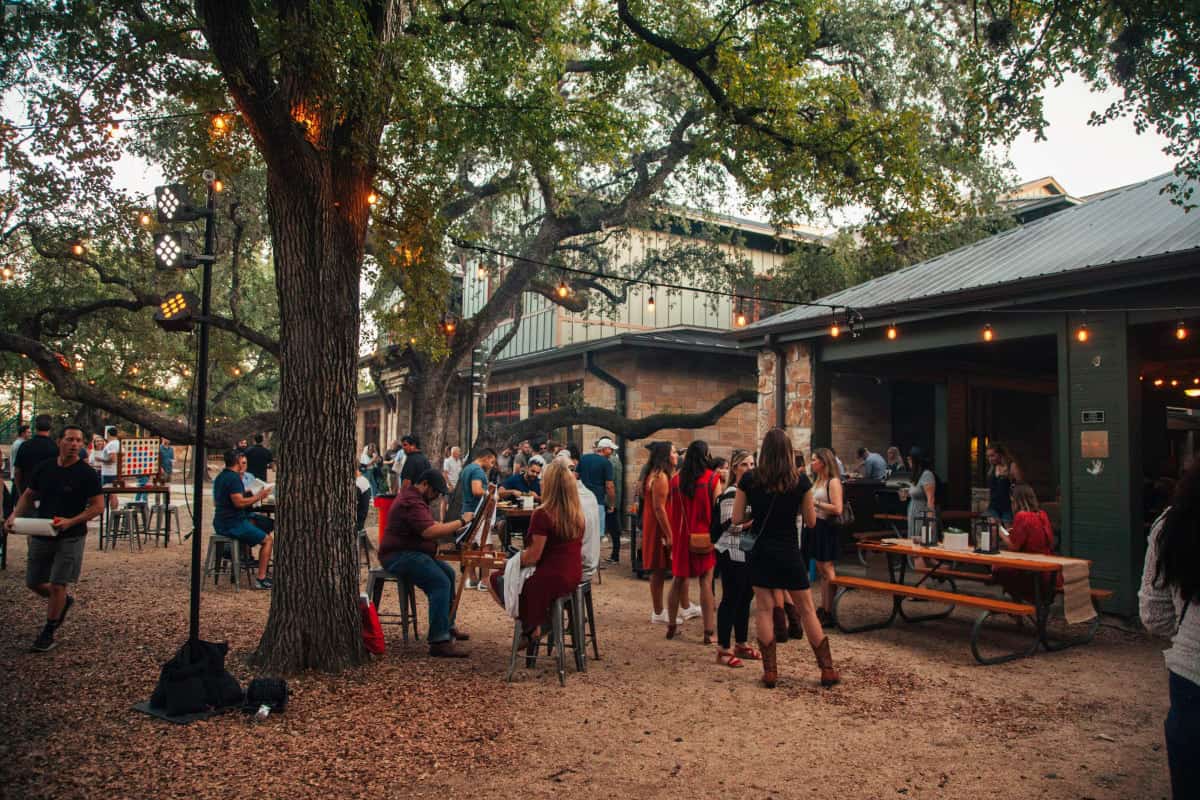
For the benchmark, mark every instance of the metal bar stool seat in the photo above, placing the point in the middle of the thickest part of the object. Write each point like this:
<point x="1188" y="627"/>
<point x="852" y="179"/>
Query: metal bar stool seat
<point x="216" y="558"/>
<point x="125" y="523"/>
<point x="556" y="644"/>
<point x="158" y="522"/>
<point x="407" y="593"/>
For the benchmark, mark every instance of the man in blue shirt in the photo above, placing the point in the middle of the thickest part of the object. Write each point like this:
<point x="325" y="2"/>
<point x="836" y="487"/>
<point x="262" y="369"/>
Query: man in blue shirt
<point x="874" y="468"/>
<point x="233" y="519"/>
<point x="517" y="484"/>
<point x="474" y="482"/>
<point x="596" y="473"/>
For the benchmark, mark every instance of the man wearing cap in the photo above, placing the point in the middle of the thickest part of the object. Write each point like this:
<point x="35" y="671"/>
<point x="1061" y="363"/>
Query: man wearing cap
<point x="596" y="473"/>
<point x="408" y="550"/>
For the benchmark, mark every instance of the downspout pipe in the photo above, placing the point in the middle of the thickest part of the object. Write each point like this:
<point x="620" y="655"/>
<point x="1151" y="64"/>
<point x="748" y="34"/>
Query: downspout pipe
<point x="771" y="342"/>
<point x="622" y="406"/>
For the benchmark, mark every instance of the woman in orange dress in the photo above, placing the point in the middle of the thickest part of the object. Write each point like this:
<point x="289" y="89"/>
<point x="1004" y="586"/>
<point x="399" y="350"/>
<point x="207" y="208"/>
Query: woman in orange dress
<point x="655" y="485"/>
<point x="694" y="491"/>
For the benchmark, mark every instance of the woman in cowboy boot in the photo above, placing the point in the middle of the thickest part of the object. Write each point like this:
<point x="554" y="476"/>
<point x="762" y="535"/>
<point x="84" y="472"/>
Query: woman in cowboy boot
<point x="779" y="492"/>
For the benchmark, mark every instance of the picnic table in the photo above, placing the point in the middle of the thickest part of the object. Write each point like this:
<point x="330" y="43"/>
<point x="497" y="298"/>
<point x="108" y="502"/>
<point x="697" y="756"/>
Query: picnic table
<point x="941" y="567"/>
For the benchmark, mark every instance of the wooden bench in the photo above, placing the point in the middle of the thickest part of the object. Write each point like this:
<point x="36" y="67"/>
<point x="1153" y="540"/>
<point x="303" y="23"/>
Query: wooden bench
<point x="900" y="592"/>
<point x="986" y="578"/>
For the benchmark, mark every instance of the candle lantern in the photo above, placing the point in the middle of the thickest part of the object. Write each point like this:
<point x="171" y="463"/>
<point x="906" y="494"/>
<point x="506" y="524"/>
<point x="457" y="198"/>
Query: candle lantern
<point x="928" y="529"/>
<point x="987" y="534"/>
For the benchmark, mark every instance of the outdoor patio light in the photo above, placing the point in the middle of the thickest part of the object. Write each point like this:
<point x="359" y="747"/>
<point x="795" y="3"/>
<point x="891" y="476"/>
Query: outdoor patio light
<point x="988" y="334"/>
<point x="175" y="312"/>
<point x="170" y="252"/>
<point x="1158" y="381"/>
<point x="892" y="333"/>
<point x="650" y="302"/>
<point x="1082" y="335"/>
<point x="145" y="219"/>
<point x="372" y="199"/>
<point x="1181" y="331"/>
<point x="563" y="290"/>
<point x="77" y="249"/>
<point x="481" y="271"/>
<point x="175" y="204"/>
<point x="740" y="320"/>
<point x="835" y="330"/>
<point x="6" y="273"/>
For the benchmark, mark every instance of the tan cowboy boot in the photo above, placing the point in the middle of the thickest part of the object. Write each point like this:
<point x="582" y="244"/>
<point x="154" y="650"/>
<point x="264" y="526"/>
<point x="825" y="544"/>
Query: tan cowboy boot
<point x="770" y="666"/>
<point x="829" y="675"/>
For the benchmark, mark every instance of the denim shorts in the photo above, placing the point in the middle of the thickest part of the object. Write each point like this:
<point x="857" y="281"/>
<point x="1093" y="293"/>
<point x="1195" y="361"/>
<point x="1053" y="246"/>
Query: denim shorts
<point x="250" y="531"/>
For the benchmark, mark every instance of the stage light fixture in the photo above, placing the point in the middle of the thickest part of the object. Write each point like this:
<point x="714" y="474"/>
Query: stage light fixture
<point x="175" y="312"/>
<point x="175" y="204"/>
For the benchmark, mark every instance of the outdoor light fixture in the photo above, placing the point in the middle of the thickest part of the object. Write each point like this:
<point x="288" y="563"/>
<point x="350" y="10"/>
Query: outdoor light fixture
<point x="77" y="249"/>
<point x="563" y="290"/>
<point x="1192" y="392"/>
<point x="740" y="320"/>
<point x="988" y="333"/>
<point x="650" y="302"/>
<point x="481" y="271"/>
<point x="170" y="252"/>
<point x="175" y="312"/>
<point x="834" y="330"/>
<point x="1181" y="331"/>
<point x="7" y="273"/>
<point x="1082" y="335"/>
<point x="175" y="204"/>
<point x="372" y="199"/>
<point x="450" y="326"/>
<point x="144" y="219"/>
<point x="1158" y="381"/>
<point x="1174" y="382"/>
<point x="892" y="333"/>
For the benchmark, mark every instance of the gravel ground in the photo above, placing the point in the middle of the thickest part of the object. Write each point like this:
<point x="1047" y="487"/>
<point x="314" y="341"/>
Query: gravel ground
<point x="915" y="716"/>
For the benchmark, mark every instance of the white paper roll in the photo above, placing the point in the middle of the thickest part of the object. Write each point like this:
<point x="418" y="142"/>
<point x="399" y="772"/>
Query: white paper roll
<point x="32" y="526"/>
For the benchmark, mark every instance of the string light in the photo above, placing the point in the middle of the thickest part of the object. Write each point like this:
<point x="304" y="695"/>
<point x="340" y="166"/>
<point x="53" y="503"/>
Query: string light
<point x="563" y="290"/>
<point x="144" y="219"/>
<point x="220" y="124"/>
<point x="740" y="320"/>
<point x="372" y="199"/>
<point x="1174" y="382"/>
<point x="892" y="333"/>
<point x="218" y="185"/>
<point x="481" y="271"/>
<point x="1181" y="331"/>
<point x="650" y="302"/>
<point x="835" y="330"/>
<point x="988" y="333"/>
<point x="114" y="130"/>
<point x="1082" y="334"/>
<point x="1158" y="381"/>
<point x="77" y="249"/>
<point x="6" y="273"/>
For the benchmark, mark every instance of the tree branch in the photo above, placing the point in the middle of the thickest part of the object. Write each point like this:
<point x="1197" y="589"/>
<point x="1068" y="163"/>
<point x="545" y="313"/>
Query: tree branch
<point x="613" y="422"/>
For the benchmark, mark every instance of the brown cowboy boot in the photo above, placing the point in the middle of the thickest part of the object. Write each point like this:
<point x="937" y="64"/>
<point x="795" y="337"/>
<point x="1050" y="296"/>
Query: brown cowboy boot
<point x="770" y="666"/>
<point x="829" y="675"/>
<point x="794" y="629"/>
<point x="779" y="621"/>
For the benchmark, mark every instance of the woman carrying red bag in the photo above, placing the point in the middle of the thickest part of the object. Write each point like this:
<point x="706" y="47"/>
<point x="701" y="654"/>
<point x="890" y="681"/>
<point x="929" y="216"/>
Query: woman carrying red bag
<point x="694" y="491"/>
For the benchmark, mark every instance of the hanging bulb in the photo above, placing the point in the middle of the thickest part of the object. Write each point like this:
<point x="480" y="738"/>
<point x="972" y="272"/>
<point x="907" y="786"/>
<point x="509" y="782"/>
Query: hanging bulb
<point x="1082" y="334"/>
<point x="145" y="219"/>
<point x="77" y="249"/>
<point x="892" y="333"/>
<point x="218" y="185"/>
<point x="988" y="333"/>
<point x="740" y="320"/>
<point x="6" y="273"/>
<point x="650" y="302"/>
<point x="372" y="199"/>
<point x="1181" y="331"/>
<point x="481" y="271"/>
<point x="835" y="330"/>
<point x="563" y="290"/>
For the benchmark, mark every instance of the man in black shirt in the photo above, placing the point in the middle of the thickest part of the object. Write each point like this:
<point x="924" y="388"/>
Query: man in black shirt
<point x="67" y="492"/>
<point x="37" y="449"/>
<point x="415" y="464"/>
<point x="258" y="458"/>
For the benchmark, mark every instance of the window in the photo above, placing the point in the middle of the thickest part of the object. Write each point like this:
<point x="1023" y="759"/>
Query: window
<point x="551" y="396"/>
<point x="503" y="407"/>
<point x="371" y="427"/>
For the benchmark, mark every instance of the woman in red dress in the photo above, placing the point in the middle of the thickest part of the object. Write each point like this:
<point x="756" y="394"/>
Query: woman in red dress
<point x="694" y="491"/>
<point x="655" y="483"/>
<point x="554" y="545"/>
<point x="1031" y="533"/>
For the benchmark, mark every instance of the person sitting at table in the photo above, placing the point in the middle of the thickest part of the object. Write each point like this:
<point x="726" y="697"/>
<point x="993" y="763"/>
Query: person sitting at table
<point x="1031" y="533"/>
<point x="516" y="485"/>
<point x="555" y="547"/>
<point x="474" y="481"/>
<point x="408" y="550"/>
<point x="873" y="468"/>
<point x="593" y="516"/>
<point x="232" y="518"/>
<point x="895" y="463"/>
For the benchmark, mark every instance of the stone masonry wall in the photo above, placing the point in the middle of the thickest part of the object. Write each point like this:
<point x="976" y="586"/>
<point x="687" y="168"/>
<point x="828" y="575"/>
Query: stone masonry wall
<point x="861" y="416"/>
<point x="798" y="396"/>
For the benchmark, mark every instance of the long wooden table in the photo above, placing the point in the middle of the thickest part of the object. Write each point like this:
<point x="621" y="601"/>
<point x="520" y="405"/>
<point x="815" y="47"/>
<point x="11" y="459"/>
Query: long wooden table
<point x="941" y="560"/>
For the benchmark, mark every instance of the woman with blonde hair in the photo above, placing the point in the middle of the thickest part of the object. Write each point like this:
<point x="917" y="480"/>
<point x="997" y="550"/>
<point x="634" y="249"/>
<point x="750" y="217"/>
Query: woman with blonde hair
<point x="554" y="544"/>
<point x="779" y="493"/>
<point x="821" y="541"/>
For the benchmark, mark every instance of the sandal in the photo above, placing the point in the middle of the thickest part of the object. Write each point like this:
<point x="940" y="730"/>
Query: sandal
<point x="728" y="659"/>
<point x="747" y="652"/>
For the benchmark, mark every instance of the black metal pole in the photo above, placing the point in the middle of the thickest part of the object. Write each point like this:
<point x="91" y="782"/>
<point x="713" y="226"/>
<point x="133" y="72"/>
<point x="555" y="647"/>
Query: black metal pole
<point x="201" y="461"/>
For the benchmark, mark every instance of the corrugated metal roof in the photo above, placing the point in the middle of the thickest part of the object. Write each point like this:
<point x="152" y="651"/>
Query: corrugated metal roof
<point x="1135" y="222"/>
<point x="704" y="340"/>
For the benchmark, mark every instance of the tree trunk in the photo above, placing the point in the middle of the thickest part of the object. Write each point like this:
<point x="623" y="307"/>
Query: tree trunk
<point x="435" y="408"/>
<point x="317" y="229"/>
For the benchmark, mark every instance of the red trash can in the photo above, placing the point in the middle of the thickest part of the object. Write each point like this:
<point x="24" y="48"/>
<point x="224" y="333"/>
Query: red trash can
<point x="383" y="502"/>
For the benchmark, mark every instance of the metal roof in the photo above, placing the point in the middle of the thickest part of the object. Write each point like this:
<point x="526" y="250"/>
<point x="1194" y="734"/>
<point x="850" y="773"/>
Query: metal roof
<point x="705" y="340"/>
<point x="1129" y="224"/>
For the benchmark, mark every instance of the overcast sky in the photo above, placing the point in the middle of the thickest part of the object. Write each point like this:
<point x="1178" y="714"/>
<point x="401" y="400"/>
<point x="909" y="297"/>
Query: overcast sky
<point x="1087" y="159"/>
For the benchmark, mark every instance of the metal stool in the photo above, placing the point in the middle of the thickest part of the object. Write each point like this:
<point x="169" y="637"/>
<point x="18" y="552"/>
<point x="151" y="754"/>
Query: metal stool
<point x="586" y="617"/>
<point x="214" y="561"/>
<point x="364" y="548"/>
<point x="158" y="522"/>
<point x="124" y="523"/>
<point x="562" y="606"/>
<point x="407" y="593"/>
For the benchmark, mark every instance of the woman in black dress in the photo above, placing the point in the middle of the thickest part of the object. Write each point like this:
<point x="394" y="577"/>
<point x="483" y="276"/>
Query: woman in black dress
<point x="779" y="492"/>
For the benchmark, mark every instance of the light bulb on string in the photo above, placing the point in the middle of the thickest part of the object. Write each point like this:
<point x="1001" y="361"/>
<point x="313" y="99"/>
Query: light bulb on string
<point x="481" y="271"/>
<point x="1181" y="331"/>
<point x="563" y="290"/>
<point x="650" y="302"/>
<point x="740" y="320"/>
<point x="892" y="333"/>
<point x="835" y="330"/>
<point x="988" y="333"/>
<point x="144" y="219"/>
<point x="372" y="199"/>
<point x="77" y="248"/>
<point x="1082" y="334"/>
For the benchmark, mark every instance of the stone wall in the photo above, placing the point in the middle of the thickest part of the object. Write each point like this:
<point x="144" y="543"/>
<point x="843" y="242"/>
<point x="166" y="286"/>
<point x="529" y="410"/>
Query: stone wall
<point x="861" y="416"/>
<point x="798" y="397"/>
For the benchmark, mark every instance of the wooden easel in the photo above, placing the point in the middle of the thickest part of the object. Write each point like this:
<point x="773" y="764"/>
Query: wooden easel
<point x="476" y="552"/>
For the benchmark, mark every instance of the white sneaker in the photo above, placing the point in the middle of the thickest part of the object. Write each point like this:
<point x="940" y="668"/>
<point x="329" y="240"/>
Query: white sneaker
<point x="691" y="612"/>
<point x="661" y="619"/>
<point x="471" y="584"/>
<point x="482" y="586"/>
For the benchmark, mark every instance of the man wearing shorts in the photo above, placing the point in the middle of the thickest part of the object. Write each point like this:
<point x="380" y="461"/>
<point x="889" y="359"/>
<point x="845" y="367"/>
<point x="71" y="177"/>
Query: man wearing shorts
<point x="233" y="519"/>
<point x="67" y="492"/>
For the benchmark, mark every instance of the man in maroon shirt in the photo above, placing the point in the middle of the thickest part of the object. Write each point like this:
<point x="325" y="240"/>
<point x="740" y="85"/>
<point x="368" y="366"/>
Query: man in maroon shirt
<point x="408" y="550"/>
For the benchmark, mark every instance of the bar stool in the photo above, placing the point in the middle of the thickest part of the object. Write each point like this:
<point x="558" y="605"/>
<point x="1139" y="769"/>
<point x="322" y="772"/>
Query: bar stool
<point x="364" y="548"/>
<point x="407" y="593"/>
<point x="125" y="523"/>
<point x="556" y="643"/>
<point x="158" y="522"/>
<point x="586" y="617"/>
<point x="214" y="561"/>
